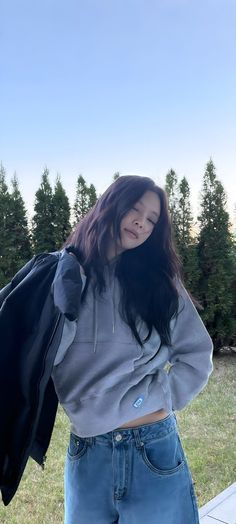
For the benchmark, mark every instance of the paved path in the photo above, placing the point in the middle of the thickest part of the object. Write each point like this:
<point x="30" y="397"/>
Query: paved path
<point x="221" y="509"/>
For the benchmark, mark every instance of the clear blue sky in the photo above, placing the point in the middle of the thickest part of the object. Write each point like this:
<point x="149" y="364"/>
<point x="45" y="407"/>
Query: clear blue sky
<point x="136" y="86"/>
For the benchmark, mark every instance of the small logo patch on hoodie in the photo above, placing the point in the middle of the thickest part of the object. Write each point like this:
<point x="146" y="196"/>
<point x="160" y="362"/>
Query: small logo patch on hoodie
<point x="138" y="402"/>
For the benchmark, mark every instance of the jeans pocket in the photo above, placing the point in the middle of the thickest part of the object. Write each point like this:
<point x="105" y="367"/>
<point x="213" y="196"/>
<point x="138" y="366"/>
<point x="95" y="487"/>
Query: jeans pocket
<point x="163" y="456"/>
<point x="77" y="447"/>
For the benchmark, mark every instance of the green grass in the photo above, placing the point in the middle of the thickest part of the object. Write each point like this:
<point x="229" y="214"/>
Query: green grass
<point x="208" y="433"/>
<point x="207" y="428"/>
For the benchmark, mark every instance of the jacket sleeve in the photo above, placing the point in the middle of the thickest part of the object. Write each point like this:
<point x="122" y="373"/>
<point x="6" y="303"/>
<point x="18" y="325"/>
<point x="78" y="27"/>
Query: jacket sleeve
<point x="190" y="355"/>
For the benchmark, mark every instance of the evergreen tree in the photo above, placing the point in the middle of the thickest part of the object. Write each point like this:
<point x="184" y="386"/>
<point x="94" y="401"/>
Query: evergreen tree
<point x="4" y="226"/>
<point x="187" y="245"/>
<point x="232" y="316"/>
<point x="184" y="212"/>
<point x="85" y="198"/>
<point x="61" y="214"/>
<point x="172" y="191"/>
<point x="92" y="196"/>
<point x="215" y="259"/>
<point x="43" y="219"/>
<point x="116" y="175"/>
<point x="15" y="249"/>
<point x="19" y="246"/>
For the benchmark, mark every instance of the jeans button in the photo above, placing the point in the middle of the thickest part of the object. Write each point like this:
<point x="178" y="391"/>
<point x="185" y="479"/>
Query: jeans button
<point x="118" y="437"/>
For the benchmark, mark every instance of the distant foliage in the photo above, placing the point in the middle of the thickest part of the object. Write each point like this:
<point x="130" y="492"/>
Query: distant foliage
<point x="43" y="228"/>
<point x="15" y="247"/>
<point x="216" y="253"/>
<point x="20" y="250"/>
<point x="187" y="242"/>
<point x="85" y="198"/>
<point x="4" y="225"/>
<point x="209" y="258"/>
<point x="92" y="196"/>
<point x="172" y="191"/>
<point x="61" y="214"/>
<point x="182" y="224"/>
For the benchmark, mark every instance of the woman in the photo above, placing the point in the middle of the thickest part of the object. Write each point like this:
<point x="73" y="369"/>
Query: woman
<point x="138" y="352"/>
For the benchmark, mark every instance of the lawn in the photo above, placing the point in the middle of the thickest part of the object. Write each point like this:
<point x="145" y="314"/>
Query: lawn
<point x="208" y="433"/>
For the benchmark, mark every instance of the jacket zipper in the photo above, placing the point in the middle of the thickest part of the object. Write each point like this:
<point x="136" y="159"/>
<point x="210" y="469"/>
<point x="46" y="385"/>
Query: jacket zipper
<point x="46" y="352"/>
<point x="42" y="465"/>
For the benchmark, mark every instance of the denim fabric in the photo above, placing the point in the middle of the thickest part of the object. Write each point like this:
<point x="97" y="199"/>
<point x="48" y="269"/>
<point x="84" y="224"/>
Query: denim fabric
<point x="130" y="476"/>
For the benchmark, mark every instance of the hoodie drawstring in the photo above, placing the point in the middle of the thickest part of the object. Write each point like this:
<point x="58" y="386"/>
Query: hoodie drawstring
<point x="95" y="329"/>
<point x="112" y="287"/>
<point x="95" y="311"/>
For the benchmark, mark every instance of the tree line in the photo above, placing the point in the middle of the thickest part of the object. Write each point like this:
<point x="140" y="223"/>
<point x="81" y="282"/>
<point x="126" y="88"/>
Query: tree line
<point x="208" y="254"/>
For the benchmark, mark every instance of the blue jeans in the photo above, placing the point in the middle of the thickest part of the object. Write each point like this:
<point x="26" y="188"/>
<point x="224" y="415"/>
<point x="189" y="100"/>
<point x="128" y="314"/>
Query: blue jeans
<point x="130" y="476"/>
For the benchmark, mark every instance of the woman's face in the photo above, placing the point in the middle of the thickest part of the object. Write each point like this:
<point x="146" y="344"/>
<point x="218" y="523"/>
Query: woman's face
<point x="137" y="225"/>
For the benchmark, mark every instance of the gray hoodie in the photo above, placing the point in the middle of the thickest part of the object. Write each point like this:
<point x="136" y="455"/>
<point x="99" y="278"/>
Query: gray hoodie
<point x="104" y="378"/>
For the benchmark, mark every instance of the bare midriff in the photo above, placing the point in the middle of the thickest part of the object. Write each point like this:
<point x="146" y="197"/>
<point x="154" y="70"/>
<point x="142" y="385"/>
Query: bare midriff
<point x="146" y="419"/>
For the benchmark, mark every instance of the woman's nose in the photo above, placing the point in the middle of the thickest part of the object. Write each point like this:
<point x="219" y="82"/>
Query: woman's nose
<point x="139" y="222"/>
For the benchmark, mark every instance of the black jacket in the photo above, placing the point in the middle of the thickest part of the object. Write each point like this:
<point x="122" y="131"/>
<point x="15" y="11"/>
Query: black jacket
<point x="33" y="307"/>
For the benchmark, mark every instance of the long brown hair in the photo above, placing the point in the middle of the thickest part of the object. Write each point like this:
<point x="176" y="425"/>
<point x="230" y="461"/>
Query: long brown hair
<point x="147" y="273"/>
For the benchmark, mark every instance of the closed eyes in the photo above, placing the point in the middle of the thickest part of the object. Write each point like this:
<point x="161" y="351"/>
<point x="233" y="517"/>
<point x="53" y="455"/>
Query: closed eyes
<point x="149" y="219"/>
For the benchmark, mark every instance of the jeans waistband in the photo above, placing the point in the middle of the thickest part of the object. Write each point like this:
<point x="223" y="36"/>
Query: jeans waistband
<point x="145" y="432"/>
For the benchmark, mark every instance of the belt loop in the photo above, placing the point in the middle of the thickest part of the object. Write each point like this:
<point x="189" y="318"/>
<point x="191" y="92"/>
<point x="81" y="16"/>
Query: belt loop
<point x="139" y="444"/>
